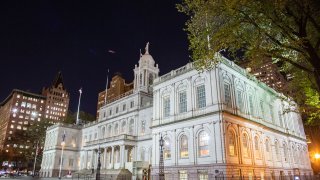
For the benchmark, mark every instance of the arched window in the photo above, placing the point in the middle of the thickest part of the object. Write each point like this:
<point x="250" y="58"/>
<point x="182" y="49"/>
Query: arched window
<point x="227" y="93"/>
<point x="184" y="146"/>
<point x="232" y="143"/>
<point x="167" y="148"/>
<point x="109" y="131"/>
<point x="256" y="146"/>
<point x="240" y="103"/>
<point x="182" y="101"/>
<point x="131" y="126"/>
<point x="285" y="152"/>
<point x="276" y="148"/>
<point x="203" y="140"/>
<point x="143" y="126"/>
<point x="143" y="154"/>
<point x="123" y="127"/>
<point x="116" y="129"/>
<point x="267" y="146"/>
<point x="245" y="145"/>
<point x="150" y="79"/>
<point x="103" y="132"/>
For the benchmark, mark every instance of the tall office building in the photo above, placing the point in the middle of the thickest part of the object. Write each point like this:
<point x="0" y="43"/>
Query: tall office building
<point x="57" y="100"/>
<point x="269" y="74"/>
<point x="21" y="109"/>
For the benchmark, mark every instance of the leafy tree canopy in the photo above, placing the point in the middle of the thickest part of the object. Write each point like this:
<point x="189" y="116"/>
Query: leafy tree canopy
<point x="288" y="31"/>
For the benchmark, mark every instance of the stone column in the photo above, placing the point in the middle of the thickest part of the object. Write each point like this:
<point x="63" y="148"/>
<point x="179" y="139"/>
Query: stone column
<point x="112" y="158"/>
<point x="86" y="159"/>
<point x="122" y="160"/>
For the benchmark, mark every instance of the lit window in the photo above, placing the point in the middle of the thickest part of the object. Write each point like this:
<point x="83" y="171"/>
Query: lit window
<point x="18" y="127"/>
<point x="232" y="144"/>
<point x="18" y="96"/>
<point x="184" y="146"/>
<point x="183" y="175"/>
<point x="203" y="175"/>
<point x="23" y="104"/>
<point x="183" y="102"/>
<point x="167" y="148"/>
<point x="245" y="145"/>
<point x="201" y="96"/>
<point x="166" y="106"/>
<point x="203" y="144"/>
<point x="11" y="126"/>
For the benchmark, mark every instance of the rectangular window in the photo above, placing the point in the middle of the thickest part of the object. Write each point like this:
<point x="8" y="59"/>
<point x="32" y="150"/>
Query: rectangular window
<point x="166" y="106"/>
<point x="261" y="109"/>
<point x="280" y="118"/>
<point x="23" y="104"/>
<point x="239" y="100"/>
<point x="201" y="96"/>
<point x="183" y="175"/>
<point x="203" y="175"/>
<point x="227" y="94"/>
<point x="251" y="110"/>
<point x="124" y="107"/>
<point x="131" y="104"/>
<point x="71" y="162"/>
<point x="271" y="113"/>
<point x="117" y="110"/>
<point x="183" y="102"/>
<point x="110" y="112"/>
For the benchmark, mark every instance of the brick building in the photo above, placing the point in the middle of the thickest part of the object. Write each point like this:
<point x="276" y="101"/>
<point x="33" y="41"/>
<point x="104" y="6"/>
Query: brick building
<point x="118" y="87"/>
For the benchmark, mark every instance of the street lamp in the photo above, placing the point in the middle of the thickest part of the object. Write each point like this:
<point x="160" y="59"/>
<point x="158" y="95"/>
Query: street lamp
<point x="161" y="164"/>
<point x="62" y="148"/>
<point x="35" y="159"/>
<point x="99" y="151"/>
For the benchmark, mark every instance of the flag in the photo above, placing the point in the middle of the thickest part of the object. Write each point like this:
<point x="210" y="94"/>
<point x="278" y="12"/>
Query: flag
<point x="111" y="51"/>
<point x="63" y="136"/>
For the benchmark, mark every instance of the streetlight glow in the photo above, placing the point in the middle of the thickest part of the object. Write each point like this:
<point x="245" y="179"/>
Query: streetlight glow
<point x="317" y="155"/>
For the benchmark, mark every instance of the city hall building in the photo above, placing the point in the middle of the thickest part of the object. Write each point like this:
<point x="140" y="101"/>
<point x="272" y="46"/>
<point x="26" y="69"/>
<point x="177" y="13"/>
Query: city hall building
<point x="220" y="122"/>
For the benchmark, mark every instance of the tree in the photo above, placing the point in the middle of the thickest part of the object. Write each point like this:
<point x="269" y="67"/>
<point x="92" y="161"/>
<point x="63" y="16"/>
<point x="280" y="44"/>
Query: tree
<point x="288" y="31"/>
<point x="84" y="116"/>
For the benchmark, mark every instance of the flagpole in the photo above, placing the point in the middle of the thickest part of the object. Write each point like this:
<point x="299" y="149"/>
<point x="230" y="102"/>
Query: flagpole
<point x="62" y="147"/>
<point x="77" y="120"/>
<point x="35" y="159"/>
<point x="105" y="98"/>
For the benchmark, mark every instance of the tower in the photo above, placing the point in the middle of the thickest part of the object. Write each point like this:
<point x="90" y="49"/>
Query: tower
<point x="145" y="72"/>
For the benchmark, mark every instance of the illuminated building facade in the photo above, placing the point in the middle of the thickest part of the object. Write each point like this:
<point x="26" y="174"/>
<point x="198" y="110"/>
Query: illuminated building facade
<point x="220" y="123"/>
<point x="21" y="109"/>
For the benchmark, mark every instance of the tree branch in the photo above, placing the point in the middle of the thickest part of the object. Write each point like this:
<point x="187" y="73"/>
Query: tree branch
<point x="292" y="63"/>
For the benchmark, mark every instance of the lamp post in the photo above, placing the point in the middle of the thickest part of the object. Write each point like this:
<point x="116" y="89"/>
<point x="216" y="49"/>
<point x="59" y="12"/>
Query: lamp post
<point x="161" y="165"/>
<point x="99" y="151"/>
<point x="35" y="159"/>
<point x="62" y="148"/>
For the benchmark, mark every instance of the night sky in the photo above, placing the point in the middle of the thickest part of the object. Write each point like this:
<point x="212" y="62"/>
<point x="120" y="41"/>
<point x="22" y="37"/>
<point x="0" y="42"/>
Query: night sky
<point x="40" y="38"/>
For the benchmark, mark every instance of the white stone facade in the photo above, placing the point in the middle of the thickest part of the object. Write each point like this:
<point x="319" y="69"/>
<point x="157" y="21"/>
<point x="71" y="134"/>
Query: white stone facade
<point x="220" y="122"/>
